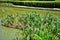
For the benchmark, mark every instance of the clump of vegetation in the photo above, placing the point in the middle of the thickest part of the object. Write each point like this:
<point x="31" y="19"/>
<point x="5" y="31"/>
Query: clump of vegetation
<point x="39" y="4"/>
<point x="35" y="26"/>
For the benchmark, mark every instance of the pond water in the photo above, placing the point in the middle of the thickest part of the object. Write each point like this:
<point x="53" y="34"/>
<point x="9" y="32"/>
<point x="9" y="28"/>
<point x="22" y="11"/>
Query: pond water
<point x="7" y="34"/>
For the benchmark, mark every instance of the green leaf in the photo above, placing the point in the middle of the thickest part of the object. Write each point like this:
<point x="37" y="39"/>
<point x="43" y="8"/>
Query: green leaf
<point x="37" y="37"/>
<point x="28" y="37"/>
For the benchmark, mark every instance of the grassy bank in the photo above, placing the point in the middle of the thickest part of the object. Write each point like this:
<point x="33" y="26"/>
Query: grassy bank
<point x="46" y="33"/>
<point x="4" y="11"/>
<point x="34" y="26"/>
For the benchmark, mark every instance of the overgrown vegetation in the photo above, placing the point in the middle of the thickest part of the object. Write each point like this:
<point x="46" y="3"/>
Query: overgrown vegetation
<point x="39" y="4"/>
<point x="27" y="0"/>
<point x="34" y="26"/>
<point x="48" y="4"/>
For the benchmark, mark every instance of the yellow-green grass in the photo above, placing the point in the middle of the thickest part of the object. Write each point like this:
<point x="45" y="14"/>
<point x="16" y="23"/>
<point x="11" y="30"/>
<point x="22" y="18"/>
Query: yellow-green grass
<point x="57" y="0"/>
<point x="4" y="11"/>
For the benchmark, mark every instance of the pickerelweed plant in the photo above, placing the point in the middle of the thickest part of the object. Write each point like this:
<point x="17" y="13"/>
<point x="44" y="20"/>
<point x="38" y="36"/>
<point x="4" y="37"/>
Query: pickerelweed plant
<point x="35" y="26"/>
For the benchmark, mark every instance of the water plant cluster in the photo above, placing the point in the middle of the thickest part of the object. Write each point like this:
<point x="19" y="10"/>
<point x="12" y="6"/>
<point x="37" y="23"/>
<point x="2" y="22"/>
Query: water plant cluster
<point x="34" y="26"/>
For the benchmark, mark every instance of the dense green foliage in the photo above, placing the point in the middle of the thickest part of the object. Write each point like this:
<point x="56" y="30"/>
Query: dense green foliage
<point x="39" y="4"/>
<point x="27" y="0"/>
<point x="34" y="26"/>
<point x="51" y="4"/>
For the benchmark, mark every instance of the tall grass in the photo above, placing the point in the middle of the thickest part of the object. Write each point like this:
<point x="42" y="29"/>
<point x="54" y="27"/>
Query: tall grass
<point x="34" y="26"/>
